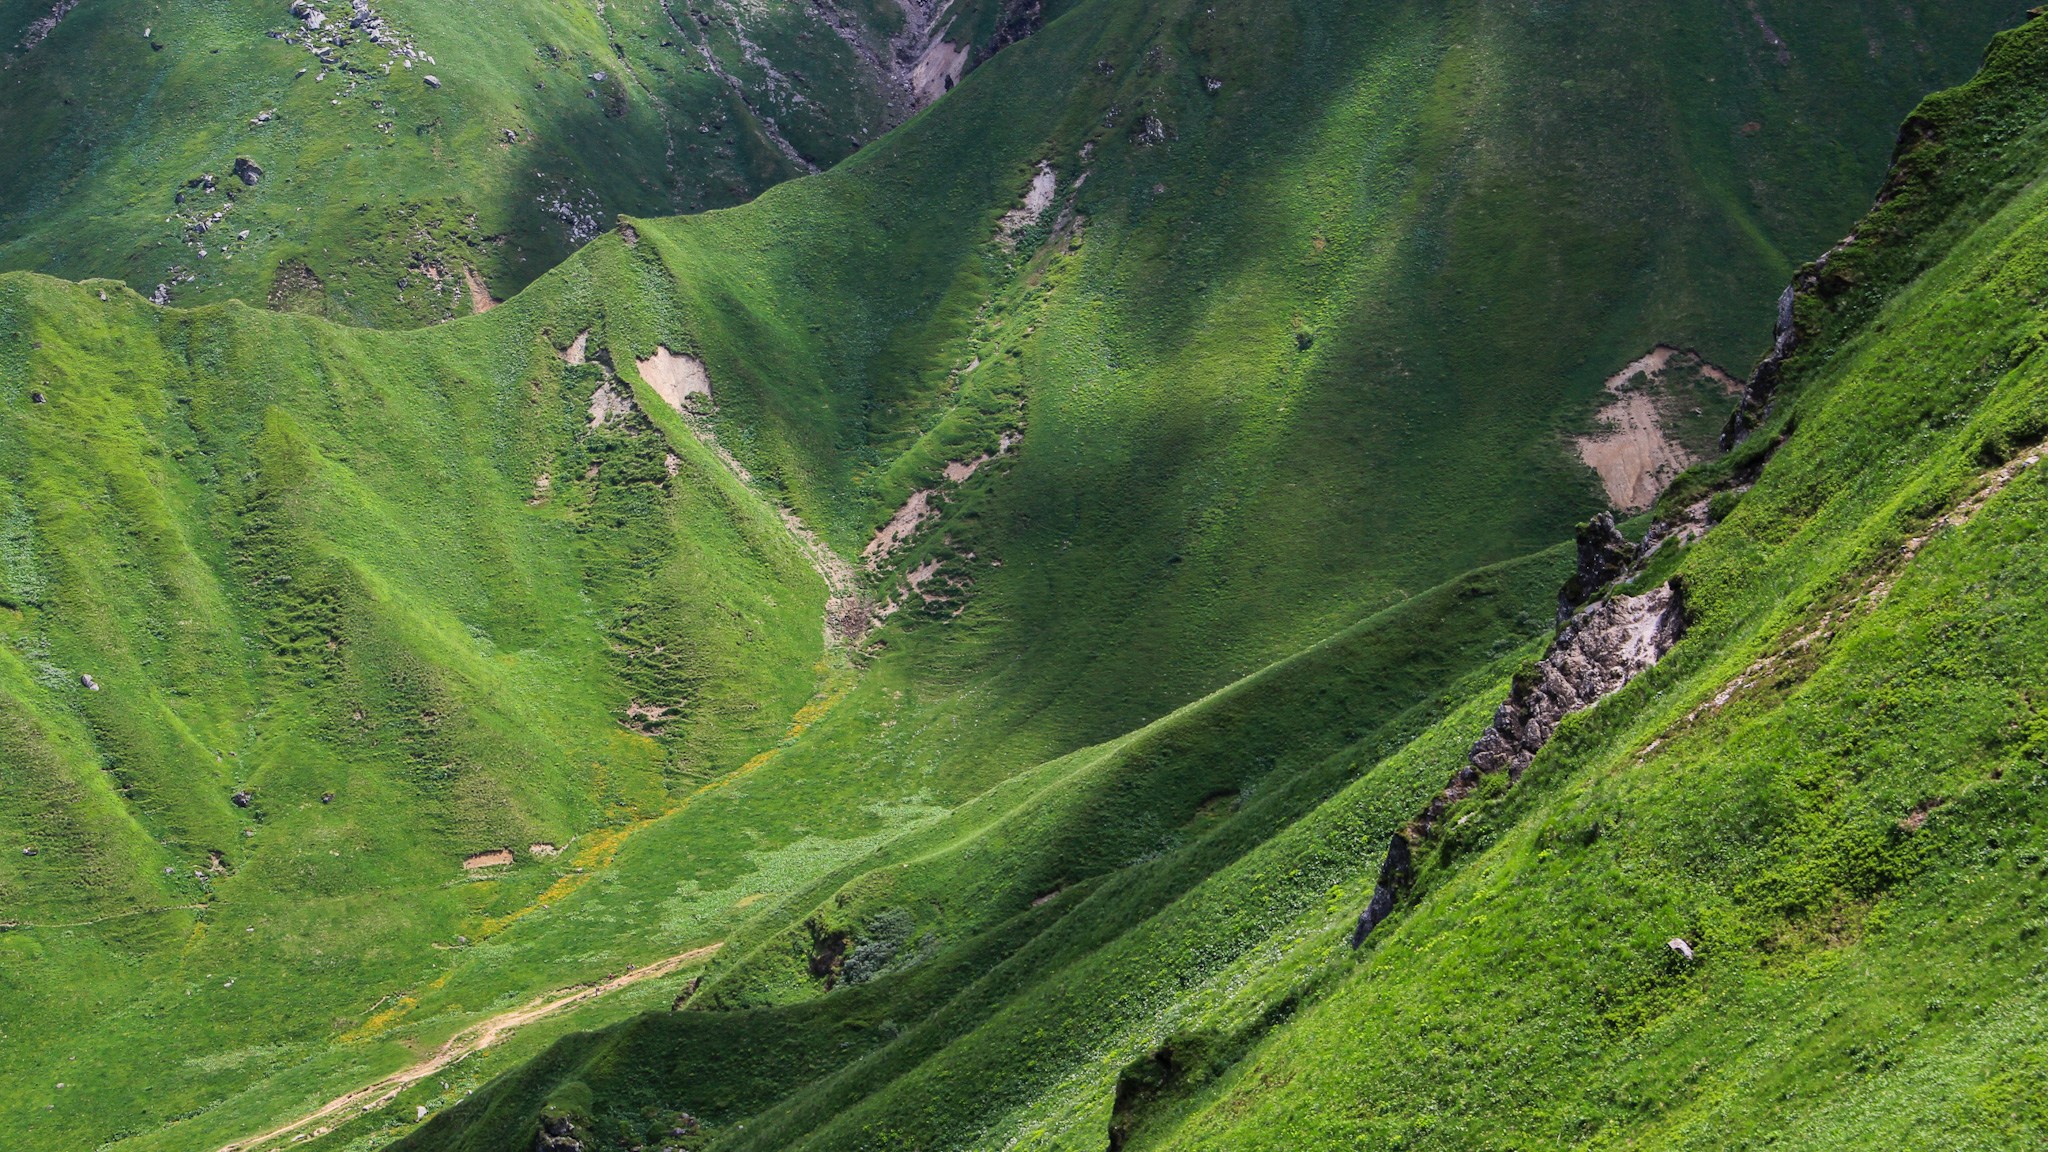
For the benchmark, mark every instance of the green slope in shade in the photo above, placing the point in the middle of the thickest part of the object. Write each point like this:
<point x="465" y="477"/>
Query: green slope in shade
<point x="1319" y="299"/>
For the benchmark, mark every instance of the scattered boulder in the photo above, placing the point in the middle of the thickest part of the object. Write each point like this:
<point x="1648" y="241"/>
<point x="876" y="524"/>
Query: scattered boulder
<point x="557" y="1133"/>
<point x="91" y="684"/>
<point x="246" y="171"/>
<point x="327" y="798"/>
<point x="38" y="398"/>
<point x="1148" y="1084"/>
<point x="241" y="799"/>
<point x="431" y="81"/>
<point x="31" y="852"/>
<point x="1679" y="946"/>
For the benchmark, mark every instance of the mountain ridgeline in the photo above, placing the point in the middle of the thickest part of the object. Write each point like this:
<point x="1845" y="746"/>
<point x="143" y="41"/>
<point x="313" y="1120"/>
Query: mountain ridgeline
<point x="1073" y="600"/>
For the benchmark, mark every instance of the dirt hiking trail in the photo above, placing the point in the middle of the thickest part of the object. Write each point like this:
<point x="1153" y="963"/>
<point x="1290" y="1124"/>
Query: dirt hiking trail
<point x="476" y="1037"/>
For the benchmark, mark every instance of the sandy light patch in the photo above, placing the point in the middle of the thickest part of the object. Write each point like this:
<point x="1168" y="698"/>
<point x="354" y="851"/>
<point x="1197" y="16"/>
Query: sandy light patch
<point x="937" y="71"/>
<point x="573" y="354"/>
<point x="958" y="471"/>
<point x="490" y="859"/>
<point x="606" y="403"/>
<point x="674" y="377"/>
<point x="1635" y="453"/>
<point x="1037" y="198"/>
<point x="474" y="1038"/>
<point x="480" y="298"/>
<point x="901" y="527"/>
<point x="1634" y="459"/>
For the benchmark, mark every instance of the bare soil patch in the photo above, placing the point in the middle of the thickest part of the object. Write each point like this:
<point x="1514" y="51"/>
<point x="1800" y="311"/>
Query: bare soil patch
<point x="901" y="527"/>
<point x="606" y="403"/>
<point x="1037" y="198"/>
<point x="937" y="71"/>
<point x="474" y="1038"/>
<point x="490" y="859"/>
<point x="573" y="354"/>
<point x="1663" y="416"/>
<point x="674" y="377"/>
<point x="480" y="298"/>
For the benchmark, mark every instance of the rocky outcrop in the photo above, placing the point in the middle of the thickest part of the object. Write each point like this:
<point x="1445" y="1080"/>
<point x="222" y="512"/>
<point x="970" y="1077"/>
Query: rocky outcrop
<point x="558" y="1133"/>
<point x="41" y="27"/>
<point x="1396" y="870"/>
<point x="1599" y="651"/>
<point x="1763" y="383"/>
<point x="1604" y="553"/>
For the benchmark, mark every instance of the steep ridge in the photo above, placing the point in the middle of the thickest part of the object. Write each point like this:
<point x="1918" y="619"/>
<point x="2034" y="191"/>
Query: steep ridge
<point x="1788" y="888"/>
<point x="1181" y="414"/>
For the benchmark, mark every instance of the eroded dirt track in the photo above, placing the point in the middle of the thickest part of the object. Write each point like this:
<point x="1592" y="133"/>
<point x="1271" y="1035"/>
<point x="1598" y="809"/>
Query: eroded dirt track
<point x="476" y="1037"/>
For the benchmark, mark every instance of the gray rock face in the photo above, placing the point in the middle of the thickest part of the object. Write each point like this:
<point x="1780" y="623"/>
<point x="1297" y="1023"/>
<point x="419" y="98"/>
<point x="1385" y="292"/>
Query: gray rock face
<point x="557" y="1134"/>
<point x="1396" y="870"/>
<point x="1598" y="652"/>
<point x="1604" y="553"/>
<point x="1762" y="387"/>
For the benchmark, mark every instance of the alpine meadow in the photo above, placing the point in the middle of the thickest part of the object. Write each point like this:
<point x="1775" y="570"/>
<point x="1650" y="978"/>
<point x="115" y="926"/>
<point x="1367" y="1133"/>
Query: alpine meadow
<point x="1023" y="575"/>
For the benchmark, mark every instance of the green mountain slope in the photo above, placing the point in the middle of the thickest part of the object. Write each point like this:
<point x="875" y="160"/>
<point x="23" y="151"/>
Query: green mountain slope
<point x="1831" y="792"/>
<point x="1197" y="334"/>
<point x="414" y="160"/>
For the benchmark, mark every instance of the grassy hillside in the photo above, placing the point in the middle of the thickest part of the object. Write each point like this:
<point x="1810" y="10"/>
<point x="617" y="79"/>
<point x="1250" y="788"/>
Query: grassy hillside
<point x="1832" y="790"/>
<point x="295" y="624"/>
<point x="1316" y="350"/>
<point x="381" y="197"/>
<point x="1297" y="327"/>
